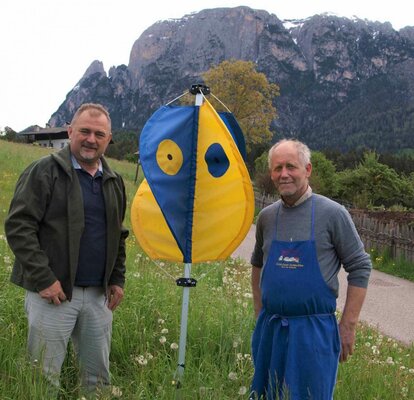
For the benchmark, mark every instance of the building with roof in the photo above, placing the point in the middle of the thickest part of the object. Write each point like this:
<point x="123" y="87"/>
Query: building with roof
<point x="56" y="137"/>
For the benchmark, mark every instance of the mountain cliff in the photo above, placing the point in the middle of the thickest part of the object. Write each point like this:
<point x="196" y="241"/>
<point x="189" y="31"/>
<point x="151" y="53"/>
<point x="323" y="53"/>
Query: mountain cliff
<point x="344" y="83"/>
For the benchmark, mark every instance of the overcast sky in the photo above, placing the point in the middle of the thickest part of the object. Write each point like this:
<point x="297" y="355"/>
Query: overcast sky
<point x="47" y="45"/>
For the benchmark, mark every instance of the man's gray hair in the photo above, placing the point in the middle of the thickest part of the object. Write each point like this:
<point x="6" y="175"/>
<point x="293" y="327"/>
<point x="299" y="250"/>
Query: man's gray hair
<point x="92" y="108"/>
<point x="303" y="151"/>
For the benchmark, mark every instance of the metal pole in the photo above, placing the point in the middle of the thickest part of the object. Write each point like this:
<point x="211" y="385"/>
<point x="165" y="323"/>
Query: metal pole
<point x="183" y="328"/>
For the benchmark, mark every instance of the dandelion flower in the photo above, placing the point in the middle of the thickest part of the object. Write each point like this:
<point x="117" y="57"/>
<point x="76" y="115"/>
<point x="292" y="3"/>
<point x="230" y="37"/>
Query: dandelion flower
<point x="174" y="346"/>
<point x="116" y="391"/>
<point x="242" y="390"/>
<point x="232" y="376"/>
<point x="163" y="339"/>
<point x="164" y="331"/>
<point x="160" y="321"/>
<point x="141" y="360"/>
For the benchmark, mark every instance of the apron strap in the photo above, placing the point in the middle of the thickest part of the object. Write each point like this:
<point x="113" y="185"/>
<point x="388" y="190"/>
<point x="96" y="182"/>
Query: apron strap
<point x="285" y="319"/>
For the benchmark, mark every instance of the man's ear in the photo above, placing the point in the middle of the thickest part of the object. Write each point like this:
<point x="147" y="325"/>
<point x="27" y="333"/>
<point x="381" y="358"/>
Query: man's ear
<point x="308" y="169"/>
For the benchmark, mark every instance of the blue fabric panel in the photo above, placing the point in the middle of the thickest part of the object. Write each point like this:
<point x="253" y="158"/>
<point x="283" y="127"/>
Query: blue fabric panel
<point x="178" y="125"/>
<point x="235" y="130"/>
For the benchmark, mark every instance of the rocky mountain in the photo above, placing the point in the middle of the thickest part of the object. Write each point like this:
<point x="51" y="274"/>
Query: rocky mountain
<point x="344" y="83"/>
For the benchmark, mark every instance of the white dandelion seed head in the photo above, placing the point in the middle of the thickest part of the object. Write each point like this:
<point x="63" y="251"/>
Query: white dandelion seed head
<point x="174" y="346"/>
<point x="242" y="390"/>
<point x="232" y="376"/>
<point x="164" y="331"/>
<point x="141" y="360"/>
<point x="116" y="391"/>
<point x="162" y="339"/>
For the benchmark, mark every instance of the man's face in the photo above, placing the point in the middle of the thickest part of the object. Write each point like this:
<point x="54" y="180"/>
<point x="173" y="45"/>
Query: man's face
<point x="89" y="136"/>
<point x="288" y="173"/>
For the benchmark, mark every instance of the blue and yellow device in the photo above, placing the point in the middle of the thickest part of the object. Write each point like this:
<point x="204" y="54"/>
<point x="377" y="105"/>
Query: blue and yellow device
<point x="196" y="202"/>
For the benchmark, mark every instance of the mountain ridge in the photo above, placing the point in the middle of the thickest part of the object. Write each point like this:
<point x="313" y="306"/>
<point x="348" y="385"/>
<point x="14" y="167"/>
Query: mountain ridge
<point x="333" y="73"/>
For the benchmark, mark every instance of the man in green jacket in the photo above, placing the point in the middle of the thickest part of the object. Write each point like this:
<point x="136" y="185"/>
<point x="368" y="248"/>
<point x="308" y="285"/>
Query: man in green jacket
<point x="65" y="228"/>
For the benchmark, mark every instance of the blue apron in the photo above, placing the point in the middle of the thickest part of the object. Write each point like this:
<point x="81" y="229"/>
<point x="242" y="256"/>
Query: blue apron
<point x="295" y="344"/>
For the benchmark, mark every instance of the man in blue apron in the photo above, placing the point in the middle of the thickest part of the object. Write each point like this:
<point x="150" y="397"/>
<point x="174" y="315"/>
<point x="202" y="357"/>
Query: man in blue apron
<point x="302" y="241"/>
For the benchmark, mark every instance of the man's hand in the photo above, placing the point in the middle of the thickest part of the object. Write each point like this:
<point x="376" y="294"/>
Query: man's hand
<point x="347" y="335"/>
<point x="53" y="294"/>
<point x="115" y="294"/>
<point x="355" y="297"/>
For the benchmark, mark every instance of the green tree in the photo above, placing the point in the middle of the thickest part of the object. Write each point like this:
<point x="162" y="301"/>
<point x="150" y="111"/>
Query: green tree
<point x="262" y="178"/>
<point x="248" y="95"/>
<point x="324" y="179"/>
<point x="372" y="184"/>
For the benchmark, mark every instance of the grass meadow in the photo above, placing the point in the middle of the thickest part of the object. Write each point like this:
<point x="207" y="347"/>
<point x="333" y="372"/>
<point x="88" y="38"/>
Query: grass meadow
<point x="147" y="326"/>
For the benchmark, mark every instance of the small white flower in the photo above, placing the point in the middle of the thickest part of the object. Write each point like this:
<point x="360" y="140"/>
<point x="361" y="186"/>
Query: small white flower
<point x="141" y="360"/>
<point x="232" y="376"/>
<point x="149" y="356"/>
<point x="164" y="331"/>
<point x="174" y="346"/>
<point x="242" y="390"/>
<point x="163" y="339"/>
<point x="116" y="391"/>
<point x="160" y="321"/>
<point x="390" y="361"/>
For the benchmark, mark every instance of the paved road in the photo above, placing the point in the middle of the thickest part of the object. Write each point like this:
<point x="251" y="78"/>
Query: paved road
<point x="389" y="305"/>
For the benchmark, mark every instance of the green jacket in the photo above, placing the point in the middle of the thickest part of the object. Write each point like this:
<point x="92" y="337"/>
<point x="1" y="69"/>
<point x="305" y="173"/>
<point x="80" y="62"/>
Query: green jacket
<point x="46" y="220"/>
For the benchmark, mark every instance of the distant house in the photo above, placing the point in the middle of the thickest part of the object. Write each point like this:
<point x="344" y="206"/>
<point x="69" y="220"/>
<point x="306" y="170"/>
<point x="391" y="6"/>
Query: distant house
<point x="47" y="137"/>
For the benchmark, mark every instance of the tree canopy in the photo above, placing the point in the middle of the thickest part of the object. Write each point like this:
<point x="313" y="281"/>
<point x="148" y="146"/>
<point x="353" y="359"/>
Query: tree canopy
<point x="248" y="95"/>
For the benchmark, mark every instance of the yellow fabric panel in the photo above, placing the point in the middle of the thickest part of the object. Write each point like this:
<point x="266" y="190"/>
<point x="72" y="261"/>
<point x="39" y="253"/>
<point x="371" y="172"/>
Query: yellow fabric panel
<point x="223" y="206"/>
<point x="150" y="228"/>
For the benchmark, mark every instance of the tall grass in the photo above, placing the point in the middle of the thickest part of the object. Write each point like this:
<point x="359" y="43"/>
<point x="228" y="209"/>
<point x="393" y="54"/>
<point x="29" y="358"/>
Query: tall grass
<point x="382" y="261"/>
<point x="147" y="325"/>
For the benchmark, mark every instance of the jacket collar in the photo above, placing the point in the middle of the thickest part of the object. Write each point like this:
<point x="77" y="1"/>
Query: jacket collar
<point x="64" y="159"/>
